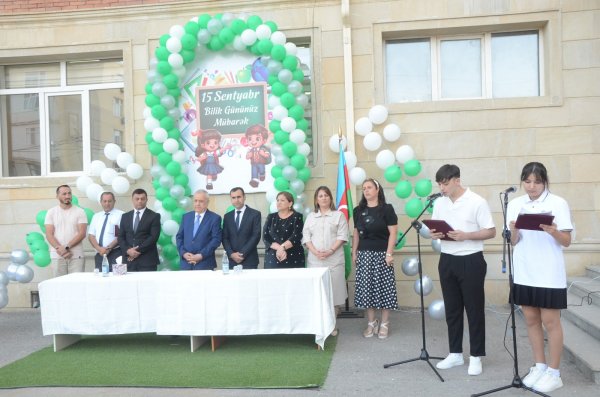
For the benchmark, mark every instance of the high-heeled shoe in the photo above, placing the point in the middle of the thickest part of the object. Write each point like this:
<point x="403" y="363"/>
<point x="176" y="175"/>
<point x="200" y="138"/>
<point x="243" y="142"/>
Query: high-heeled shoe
<point x="372" y="329"/>
<point x="384" y="330"/>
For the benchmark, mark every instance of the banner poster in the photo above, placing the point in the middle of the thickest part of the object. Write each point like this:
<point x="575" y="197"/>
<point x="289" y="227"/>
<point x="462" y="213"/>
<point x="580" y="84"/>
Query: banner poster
<point x="224" y="124"/>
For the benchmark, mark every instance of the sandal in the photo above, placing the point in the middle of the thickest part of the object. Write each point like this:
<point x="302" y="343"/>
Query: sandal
<point x="383" y="330"/>
<point x="372" y="329"/>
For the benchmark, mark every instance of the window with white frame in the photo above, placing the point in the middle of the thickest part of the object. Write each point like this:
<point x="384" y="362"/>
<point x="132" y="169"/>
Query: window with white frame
<point x="57" y="117"/>
<point x="488" y="65"/>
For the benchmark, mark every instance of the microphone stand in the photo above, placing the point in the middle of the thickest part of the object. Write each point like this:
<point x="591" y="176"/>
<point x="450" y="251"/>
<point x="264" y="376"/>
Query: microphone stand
<point x="517" y="382"/>
<point x="424" y="356"/>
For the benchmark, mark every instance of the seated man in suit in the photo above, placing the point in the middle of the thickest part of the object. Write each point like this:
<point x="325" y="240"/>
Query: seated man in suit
<point x="199" y="235"/>
<point x="241" y="231"/>
<point x="138" y="235"/>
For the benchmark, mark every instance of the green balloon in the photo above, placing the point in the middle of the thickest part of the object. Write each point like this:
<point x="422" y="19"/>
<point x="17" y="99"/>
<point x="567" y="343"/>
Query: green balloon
<point x="188" y="191"/>
<point x="174" y="92"/>
<point x="298" y="161"/>
<point x="174" y="133"/>
<point x="170" y="251"/>
<point x="413" y="207"/>
<point x="156" y="184"/>
<point x="275" y="125"/>
<point x="287" y="99"/>
<point x="226" y="35"/>
<point x="177" y="214"/>
<point x="402" y="243"/>
<point x="272" y="79"/>
<point x="282" y="137"/>
<point x="430" y="209"/>
<point x="412" y="167"/>
<point x="296" y="112"/>
<point x="148" y="88"/>
<point x="403" y="189"/>
<point x="75" y="200"/>
<point x="40" y="218"/>
<point x="188" y="55"/>
<point x="203" y="20"/>
<point x="188" y="41"/>
<point x="276" y="171"/>
<point x="304" y="174"/>
<point x="167" y="123"/>
<point x="169" y="203"/>
<point x="191" y="28"/>
<point x="152" y="100"/>
<point x="392" y="174"/>
<point x="254" y="21"/>
<point x="290" y="62"/>
<point x="162" y="193"/>
<point x="289" y="148"/>
<point x="278" y="52"/>
<point x="158" y="111"/>
<point x="215" y="44"/>
<point x="302" y="125"/>
<point x="173" y="168"/>
<point x="298" y="75"/>
<point x="163" y="239"/>
<point x="162" y="54"/>
<point x="163" y="39"/>
<point x="272" y="25"/>
<point x="237" y="26"/>
<point x="281" y="183"/>
<point x="155" y="148"/>
<point x="171" y="81"/>
<point x="254" y="49"/>
<point x="423" y="187"/>
<point x="90" y="214"/>
<point x="34" y="236"/>
<point x="42" y="258"/>
<point x="164" y="158"/>
<point x="182" y="179"/>
<point x="148" y="138"/>
<point x="38" y="245"/>
<point x="278" y="89"/>
<point x="163" y="67"/>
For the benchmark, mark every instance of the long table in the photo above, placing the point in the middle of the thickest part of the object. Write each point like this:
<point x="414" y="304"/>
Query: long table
<point x="194" y="303"/>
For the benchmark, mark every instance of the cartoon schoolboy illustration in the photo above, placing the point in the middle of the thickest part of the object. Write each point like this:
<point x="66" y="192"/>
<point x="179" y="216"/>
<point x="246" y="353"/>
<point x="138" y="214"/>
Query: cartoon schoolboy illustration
<point x="208" y="152"/>
<point x="259" y="154"/>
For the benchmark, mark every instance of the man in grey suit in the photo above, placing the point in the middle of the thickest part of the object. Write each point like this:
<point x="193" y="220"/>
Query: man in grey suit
<point x="241" y="231"/>
<point x="138" y="233"/>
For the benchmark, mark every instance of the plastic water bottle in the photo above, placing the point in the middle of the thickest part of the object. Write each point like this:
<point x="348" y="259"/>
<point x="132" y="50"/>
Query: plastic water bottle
<point x="105" y="266"/>
<point x="225" y="263"/>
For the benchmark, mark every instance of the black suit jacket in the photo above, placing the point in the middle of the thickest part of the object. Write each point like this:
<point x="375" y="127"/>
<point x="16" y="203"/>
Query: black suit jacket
<point x="144" y="238"/>
<point x="244" y="240"/>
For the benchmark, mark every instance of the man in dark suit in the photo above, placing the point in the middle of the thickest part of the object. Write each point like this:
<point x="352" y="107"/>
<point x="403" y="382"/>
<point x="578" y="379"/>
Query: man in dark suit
<point x="138" y="234"/>
<point x="241" y="231"/>
<point x="199" y="235"/>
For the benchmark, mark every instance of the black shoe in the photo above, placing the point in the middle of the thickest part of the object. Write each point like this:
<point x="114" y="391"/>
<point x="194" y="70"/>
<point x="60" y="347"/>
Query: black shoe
<point x="254" y="183"/>
<point x="209" y="186"/>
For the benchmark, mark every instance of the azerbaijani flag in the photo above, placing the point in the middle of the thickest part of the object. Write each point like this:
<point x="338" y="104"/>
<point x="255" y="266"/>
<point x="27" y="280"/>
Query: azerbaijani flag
<point x="343" y="201"/>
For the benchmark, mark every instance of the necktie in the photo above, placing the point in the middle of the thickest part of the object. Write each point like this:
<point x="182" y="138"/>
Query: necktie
<point x="237" y="219"/>
<point x="103" y="228"/>
<point x="197" y="224"/>
<point x="136" y="221"/>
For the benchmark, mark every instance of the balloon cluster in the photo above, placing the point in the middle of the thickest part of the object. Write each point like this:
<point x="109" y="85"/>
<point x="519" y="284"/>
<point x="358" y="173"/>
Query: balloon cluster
<point x="109" y="176"/>
<point x="277" y="65"/>
<point x="410" y="267"/>
<point x="17" y="270"/>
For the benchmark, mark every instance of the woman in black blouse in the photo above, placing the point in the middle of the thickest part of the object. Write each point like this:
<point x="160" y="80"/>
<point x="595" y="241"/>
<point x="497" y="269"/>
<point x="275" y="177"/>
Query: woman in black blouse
<point x="282" y="235"/>
<point x="375" y="227"/>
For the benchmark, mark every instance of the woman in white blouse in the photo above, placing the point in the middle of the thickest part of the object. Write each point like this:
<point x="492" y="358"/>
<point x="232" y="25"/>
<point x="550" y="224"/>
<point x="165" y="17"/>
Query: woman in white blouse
<point x="324" y="234"/>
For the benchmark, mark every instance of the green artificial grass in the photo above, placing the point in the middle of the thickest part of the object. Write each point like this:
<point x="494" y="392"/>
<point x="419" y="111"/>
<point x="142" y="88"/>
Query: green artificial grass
<point x="258" y="361"/>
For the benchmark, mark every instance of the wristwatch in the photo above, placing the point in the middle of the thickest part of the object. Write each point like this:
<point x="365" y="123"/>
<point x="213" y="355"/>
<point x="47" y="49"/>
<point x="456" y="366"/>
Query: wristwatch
<point x="386" y="254"/>
<point x="67" y="247"/>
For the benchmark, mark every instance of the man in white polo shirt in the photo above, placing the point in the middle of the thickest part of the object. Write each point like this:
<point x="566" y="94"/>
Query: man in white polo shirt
<point x="462" y="267"/>
<point x="104" y="231"/>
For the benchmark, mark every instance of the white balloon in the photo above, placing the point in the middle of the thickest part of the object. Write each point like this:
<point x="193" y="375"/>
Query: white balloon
<point x="384" y="159"/>
<point x="185" y="203"/>
<point x="159" y="135"/>
<point x="124" y="159"/>
<point x="436" y="245"/>
<point x="357" y="175"/>
<point x="203" y="37"/>
<point x="112" y="150"/>
<point x="302" y="100"/>
<point x="150" y="123"/>
<point x="179" y="156"/>
<point x="298" y="187"/>
<point x="3" y="298"/>
<point x="297" y="136"/>
<point x="363" y="126"/>
<point x="96" y="167"/>
<point x="173" y="45"/>
<point x="334" y="143"/>
<point x="271" y="194"/>
<point x="157" y="171"/>
<point x="238" y="44"/>
<point x="120" y="185"/>
<point x="378" y="114"/>
<point x="135" y="171"/>
<point x="304" y="149"/>
<point x="24" y="274"/>
<point x="351" y="160"/>
<point x="295" y="87"/>
<point x="280" y="112"/>
<point x="176" y="61"/>
<point x="166" y="181"/>
<point x="288" y="124"/>
<point x="285" y="76"/>
<point x="83" y="182"/>
<point x="107" y="175"/>
<point x="4" y="280"/>
<point x="19" y="256"/>
<point x="158" y="205"/>
<point x="404" y="153"/>
<point x="437" y="310"/>
<point x="214" y="26"/>
<point x="278" y="38"/>
<point x="170" y="227"/>
<point x="263" y="31"/>
<point x="248" y="37"/>
<point x="291" y="48"/>
<point x="372" y="141"/>
<point x="93" y="192"/>
<point x="177" y="31"/>
<point x="410" y="266"/>
<point x="147" y="112"/>
<point x="391" y="132"/>
<point x="274" y="101"/>
<point x="427" y="286"/>
<point x="273" y="207"/>
<point x="424" y="231"/>
<point x="170" y="145"/>
<point x="177" y="192"/>
<point x="11" y="271"/>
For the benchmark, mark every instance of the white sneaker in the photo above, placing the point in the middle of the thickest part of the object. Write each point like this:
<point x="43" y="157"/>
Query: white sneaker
<point x="453" y="360"/>
<point x="548" y="383"/>
<point x="475" y="367"/>
<point x="533" y="376"/>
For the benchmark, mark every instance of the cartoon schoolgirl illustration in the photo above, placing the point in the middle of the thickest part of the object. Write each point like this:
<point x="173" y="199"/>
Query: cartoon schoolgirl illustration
<point x="208" y="152"/>
<point x="259" y="154"/>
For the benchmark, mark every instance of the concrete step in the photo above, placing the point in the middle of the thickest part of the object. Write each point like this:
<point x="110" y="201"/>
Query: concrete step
<point x="593" y="271"/>
<point x="582" y="349"/>
<point x="585" y="287"/>
<point x="584" y="316"/>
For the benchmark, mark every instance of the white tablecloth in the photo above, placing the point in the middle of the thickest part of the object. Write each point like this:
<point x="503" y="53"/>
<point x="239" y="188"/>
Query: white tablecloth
<point x="281" y="301"/>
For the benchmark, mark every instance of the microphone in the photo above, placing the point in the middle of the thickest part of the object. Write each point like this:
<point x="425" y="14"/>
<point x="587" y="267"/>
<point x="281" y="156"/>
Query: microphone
<point x="511" y="189"/>
<point x="432" y="197"/>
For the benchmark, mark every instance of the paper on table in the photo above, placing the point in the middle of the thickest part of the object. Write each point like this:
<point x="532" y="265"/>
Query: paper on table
<point x="533" y="221"/>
